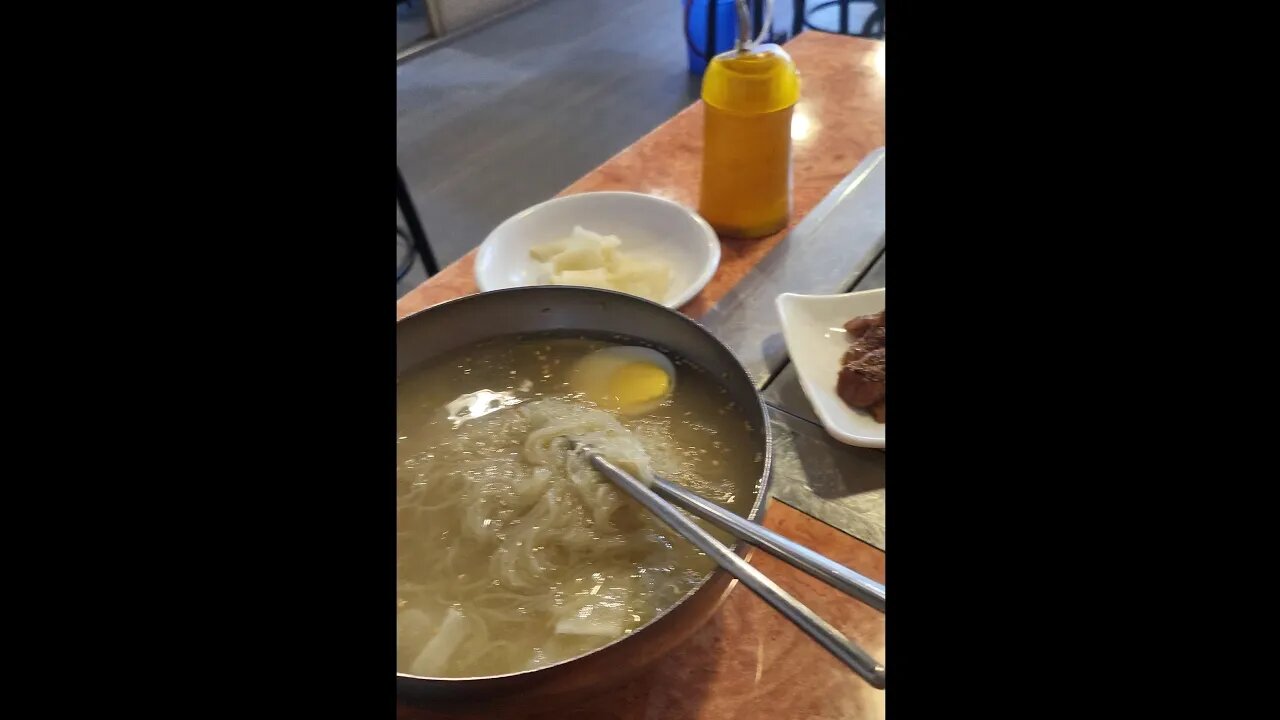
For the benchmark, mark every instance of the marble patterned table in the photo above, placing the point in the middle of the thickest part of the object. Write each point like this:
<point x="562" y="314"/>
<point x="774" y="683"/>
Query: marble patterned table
<point x="749" y="662"/>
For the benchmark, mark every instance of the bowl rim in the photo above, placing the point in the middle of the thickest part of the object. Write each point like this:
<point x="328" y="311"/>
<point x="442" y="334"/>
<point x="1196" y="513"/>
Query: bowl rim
<point x="712" y="242"/>
<point x="756" y="514"/>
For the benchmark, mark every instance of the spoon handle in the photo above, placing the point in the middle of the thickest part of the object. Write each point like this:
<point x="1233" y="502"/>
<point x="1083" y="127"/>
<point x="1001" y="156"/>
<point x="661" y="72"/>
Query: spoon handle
<point x="867" y="667"/>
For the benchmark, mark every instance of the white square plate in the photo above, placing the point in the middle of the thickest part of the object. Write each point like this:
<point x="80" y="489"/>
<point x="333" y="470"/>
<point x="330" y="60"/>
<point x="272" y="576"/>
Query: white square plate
<point x="813" y="326"/>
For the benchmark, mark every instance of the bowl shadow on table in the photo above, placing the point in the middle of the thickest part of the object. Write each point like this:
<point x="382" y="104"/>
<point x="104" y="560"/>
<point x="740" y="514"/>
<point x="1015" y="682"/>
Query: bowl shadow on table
<point x="838" y="484"/>
<point x="831" y="470"/>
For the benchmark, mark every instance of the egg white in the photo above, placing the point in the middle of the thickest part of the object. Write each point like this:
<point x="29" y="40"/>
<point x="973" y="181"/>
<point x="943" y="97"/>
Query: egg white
<point x="592" y="374"/>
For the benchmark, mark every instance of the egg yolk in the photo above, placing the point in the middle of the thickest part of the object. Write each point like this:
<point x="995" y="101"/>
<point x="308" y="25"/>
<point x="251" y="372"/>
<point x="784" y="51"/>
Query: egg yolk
<point x="637" y="383"/>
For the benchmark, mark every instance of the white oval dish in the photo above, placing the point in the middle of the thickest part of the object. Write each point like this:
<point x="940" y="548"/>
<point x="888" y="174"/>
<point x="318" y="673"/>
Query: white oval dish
<point x="646" y="224"/>
<point x="813" y="326"/>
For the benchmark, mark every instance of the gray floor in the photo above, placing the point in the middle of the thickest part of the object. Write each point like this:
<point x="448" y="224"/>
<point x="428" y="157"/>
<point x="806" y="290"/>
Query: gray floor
<point x="507" y="116"/>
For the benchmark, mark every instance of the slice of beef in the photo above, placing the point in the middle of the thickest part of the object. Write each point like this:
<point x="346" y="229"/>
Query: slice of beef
<point x="856" y="326"/>
<point x="877" y="411"/>
<point x="861" y="380"/>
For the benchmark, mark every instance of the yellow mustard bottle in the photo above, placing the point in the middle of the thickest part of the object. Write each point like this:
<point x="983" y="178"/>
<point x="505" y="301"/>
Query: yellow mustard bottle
<point x="749" y="94"/>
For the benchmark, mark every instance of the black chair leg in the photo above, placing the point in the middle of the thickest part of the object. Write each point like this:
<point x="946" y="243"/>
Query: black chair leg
<point x="874" y="26"/>
<point x="416" y="233"/>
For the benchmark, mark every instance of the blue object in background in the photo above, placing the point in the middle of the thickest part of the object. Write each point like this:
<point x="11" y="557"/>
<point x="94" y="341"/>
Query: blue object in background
<point x="696" y="28"/>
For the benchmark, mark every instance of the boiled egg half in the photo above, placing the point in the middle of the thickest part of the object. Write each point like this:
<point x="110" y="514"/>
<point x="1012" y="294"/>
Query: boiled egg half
<point x="628" y="379"/>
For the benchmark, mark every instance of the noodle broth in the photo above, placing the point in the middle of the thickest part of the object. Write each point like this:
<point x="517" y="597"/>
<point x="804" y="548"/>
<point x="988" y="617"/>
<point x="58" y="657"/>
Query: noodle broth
<point x="511" y="553"/>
